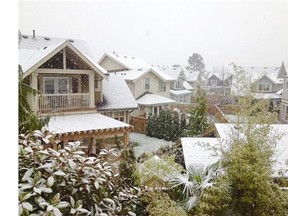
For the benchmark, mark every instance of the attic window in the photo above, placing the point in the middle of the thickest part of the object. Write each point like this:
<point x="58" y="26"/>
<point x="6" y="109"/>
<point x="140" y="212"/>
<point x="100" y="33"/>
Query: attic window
<point x="70" y="40"/>
<point x="46" y="38"/>
<point x="25" y="36"/>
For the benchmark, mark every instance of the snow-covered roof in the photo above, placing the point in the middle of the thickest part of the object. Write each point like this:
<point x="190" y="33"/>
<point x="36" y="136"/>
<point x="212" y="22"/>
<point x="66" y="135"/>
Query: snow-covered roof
<point x="180" y="92"/>
<point x="32" y="50"/>
<point x="220" y="76"/>
<point x="256" y="73"/>
<point x="83" y="122"/>
<point x="174" y="71"/>
<point x="129" y="62"/>
<point x="135" y="74"/>
<point x="195" y="150"/>
<point x="192" y="76"/>
<point x="187" y="86"/>
<point x="266" y="96"/>
<point x="153" y="99"/>
<point x="117" y="95"/>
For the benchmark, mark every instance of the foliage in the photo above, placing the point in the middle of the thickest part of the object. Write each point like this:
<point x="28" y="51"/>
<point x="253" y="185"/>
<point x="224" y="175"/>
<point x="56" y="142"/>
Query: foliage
<point x="28" y="121"/>
<point x="160" y="204"/>
<point x="196" y="62"/>
<point x="168" y="125"/>
<point x="193" y="184"/>
<point x="66" y="182"/>
<point x="155" y="171"/>
<point x="198" y="120"/>
<point x="127" y="166"/>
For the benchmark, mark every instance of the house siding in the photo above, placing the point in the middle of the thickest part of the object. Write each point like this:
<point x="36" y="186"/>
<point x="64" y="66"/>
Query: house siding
<point x="111" y="65"/>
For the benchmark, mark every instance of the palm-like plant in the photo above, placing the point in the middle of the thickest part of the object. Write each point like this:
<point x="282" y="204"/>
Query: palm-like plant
<point x="194" y="182"/>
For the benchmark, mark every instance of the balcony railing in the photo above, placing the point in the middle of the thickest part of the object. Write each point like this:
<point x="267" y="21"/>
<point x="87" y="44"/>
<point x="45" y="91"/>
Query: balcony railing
<point x="63" y="101"/>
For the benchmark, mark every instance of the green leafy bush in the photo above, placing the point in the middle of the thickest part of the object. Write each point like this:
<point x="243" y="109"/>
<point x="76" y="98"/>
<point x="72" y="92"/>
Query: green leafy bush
<point x="66" y="182"/>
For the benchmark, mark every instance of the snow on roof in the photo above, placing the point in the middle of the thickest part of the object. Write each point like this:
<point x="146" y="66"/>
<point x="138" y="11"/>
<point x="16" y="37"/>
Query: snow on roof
<point x="192" y="76"/>
<point x="187" y="86"/>
<point x="220" y="76"/>
<point x="255" y="73"/>
<point x="154" y="99"/>
<point x="28" y="42"/>
<point x="180" y="92"/>
<point x="174" y="71"/>
<point x="29" y="57"/>
<point x="83" y="122"/>
<point x="195" y="150"/>
<point x="129" y="62"/>
<point x="117" y="95"/>
<point x="137" y="73"/>
<point x="266" y="96"/>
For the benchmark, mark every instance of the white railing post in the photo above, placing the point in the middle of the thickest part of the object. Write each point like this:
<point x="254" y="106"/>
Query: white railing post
<point x="91" y="90"/>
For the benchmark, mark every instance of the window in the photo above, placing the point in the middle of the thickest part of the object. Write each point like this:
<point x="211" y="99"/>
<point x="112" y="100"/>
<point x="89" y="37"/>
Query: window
<point x="147" y="83"/>
<point x="264" y="87"/>
<point x="161" y="86"/>
<point x="213" y="82"/>
<point x="55" y="85"/>
<point x="179" y="84"/>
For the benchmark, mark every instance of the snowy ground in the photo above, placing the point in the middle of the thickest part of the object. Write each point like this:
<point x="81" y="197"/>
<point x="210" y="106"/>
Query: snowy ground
<point x="147" y="144"/>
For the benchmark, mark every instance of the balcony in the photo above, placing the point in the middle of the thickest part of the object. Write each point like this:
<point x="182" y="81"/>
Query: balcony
<point x="48" y="102"/>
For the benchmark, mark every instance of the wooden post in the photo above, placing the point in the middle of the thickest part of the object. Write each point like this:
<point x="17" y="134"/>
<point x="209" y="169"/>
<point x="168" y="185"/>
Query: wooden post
<point x="34" y="85"/>
<point x="92" y="146"/>
<point x="92" y="90"/>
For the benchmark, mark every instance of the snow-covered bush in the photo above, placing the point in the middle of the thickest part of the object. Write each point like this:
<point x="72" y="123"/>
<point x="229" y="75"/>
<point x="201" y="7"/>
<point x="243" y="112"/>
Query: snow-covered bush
<point x="67" y="182"/>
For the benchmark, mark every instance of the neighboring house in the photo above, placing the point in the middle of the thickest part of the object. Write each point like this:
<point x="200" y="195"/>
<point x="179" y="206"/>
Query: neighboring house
<point x="144" y="81"/>
<point x="196" y="150"/>
<point x="113" y="62"/>
<point x="283" y="72"/>
<point x="180" y="90"/>
<point x="262" y="82"/>
<point x="195" y="79"/>
<point x="70" y="86"/>
<point x="147" y="83"/>
<point x="118" y="101"/>
<point x="219" y="84"/>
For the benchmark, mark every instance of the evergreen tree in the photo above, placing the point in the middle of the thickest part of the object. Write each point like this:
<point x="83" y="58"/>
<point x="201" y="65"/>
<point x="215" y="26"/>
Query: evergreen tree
<point x="198" y="120"/>
<point x="196" y="63"/>
<point x="127" y="166"/>
<point x="176" y="130"/>
<point x="28" y="121"/>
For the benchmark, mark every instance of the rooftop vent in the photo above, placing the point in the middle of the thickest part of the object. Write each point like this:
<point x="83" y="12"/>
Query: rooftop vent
<point x="44" y="47"/>
<point x="133" y="57"/>
<point x="70" y="40"/>
<point x="125" y="56"/>
<point x="46" y="38"/>
<point x="25" y="36"/>
<point x="34" y="34"/>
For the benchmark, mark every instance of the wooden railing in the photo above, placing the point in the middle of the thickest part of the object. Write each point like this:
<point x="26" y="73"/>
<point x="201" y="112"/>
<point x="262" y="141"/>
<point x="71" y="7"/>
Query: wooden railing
<point x="63" y="101"/>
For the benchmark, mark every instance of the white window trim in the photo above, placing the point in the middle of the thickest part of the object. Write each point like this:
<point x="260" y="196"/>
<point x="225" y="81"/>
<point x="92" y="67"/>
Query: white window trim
<point x="264" y="86"/>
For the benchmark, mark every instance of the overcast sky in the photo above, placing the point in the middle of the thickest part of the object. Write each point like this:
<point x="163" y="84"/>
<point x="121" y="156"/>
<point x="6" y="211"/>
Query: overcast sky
<point x="250" y="33"/>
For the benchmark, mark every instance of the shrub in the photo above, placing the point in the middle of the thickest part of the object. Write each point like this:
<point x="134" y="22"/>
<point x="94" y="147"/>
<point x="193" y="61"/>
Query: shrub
<point x="66" y="182"/>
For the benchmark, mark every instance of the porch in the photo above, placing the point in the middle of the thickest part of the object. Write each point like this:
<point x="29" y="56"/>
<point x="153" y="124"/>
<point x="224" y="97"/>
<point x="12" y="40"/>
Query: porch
<point x="48" y="102"/>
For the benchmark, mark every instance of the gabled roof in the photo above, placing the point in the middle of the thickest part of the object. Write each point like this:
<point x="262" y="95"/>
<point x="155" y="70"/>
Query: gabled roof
<point x="129" y="62"/>
<point x="195" y="150"/>
<point x="192" y="76"/>
<point x="153" y="99"/>
<point x="117" y="95"/>
<point x="220" y="76"/>
<point x="266" y="96"/>
<point x="34" y="52"/>
<point x="256" y="73"/>
<point x="283" y="70"/>
<point x="174" y="72"/>
<point x="136" y="74"/>
<point x="83" y="122"/>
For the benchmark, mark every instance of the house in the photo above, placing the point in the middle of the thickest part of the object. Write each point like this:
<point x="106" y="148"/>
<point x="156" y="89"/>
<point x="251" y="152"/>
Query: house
<point x="70" y="85"/>
<point x="262" y="82"/>
<point x="219" y="84"/>
<point x="180" y="90"/>
<point x="202" y="150"/>
<point x="195" y="79"/>
<point x="113" y="62"/>
<point x="284" y="100"/>
<point x="150" y="87"/>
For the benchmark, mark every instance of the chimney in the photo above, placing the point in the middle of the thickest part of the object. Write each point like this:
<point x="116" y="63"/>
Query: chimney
<point x="33" y="34"/>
